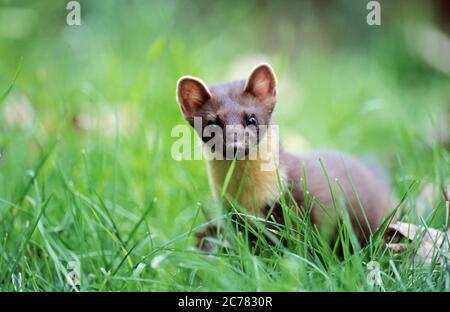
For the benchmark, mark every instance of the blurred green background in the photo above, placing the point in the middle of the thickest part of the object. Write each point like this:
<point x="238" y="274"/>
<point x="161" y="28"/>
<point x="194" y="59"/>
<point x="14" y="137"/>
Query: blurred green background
<point x="89" y="118"/>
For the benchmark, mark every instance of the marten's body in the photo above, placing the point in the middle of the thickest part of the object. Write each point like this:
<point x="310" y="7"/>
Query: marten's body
<point x="250" y="103"/>
<point x="354" y="182"/>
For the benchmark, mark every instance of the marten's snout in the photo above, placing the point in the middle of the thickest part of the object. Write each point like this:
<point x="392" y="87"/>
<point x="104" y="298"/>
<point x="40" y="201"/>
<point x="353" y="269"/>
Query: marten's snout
<point x="236" y="150"/>
<point x="234" y="142"/>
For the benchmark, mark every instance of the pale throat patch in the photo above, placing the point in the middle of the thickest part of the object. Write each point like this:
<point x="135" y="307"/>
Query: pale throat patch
<point x="254" y="183"/>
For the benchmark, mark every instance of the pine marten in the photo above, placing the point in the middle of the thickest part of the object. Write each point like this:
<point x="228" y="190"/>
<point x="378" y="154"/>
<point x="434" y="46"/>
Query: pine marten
<point x="248" y="105"/>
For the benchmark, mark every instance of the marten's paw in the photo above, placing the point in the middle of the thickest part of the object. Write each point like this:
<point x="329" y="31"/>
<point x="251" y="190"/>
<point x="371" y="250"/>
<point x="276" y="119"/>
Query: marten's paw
<point x="206" y="239"/>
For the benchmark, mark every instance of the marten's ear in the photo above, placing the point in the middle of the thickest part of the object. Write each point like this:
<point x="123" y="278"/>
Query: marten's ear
<point x="192" y="93"/>
<point x="262" y="81"/>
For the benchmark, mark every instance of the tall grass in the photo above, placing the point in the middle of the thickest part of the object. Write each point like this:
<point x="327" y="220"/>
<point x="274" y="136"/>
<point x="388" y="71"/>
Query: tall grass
<point x="86" y="174"/>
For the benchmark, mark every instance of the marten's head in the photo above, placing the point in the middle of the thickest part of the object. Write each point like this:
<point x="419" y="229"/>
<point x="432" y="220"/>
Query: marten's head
<point x="233" y="117"/>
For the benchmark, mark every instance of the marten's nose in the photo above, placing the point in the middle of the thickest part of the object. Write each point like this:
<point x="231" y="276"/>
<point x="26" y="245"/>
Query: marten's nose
<point x="235" y="138"/>
<point x="236" y="149"/>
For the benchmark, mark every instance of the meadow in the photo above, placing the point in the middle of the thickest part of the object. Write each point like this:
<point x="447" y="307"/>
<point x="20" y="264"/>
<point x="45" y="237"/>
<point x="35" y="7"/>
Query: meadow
<point x="87" y="181"/>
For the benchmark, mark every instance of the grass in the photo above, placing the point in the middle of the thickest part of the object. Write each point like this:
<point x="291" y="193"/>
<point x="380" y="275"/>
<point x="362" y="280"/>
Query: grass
<point x="86" y="174"/>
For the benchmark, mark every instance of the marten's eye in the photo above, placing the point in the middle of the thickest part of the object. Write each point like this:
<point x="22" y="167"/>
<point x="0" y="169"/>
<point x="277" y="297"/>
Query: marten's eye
<point x="252" y="121"/>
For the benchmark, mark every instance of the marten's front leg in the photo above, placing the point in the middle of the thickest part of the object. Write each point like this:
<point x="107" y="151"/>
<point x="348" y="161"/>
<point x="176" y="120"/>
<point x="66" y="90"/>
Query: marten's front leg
<point x="212" y="238"/>
<point x="205" y="238"/>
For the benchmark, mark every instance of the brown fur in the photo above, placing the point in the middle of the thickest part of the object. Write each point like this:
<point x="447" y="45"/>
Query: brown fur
<point x="364" y="192"/>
